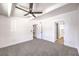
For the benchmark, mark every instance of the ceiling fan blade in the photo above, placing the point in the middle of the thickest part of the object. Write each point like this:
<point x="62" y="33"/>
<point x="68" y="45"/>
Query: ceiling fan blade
<point x="21" y="8"/>
<point x="37" y="12"/>
<point x="26" y="14"/>
<point x="30" y="7"/>
<point x="33" y="15"/>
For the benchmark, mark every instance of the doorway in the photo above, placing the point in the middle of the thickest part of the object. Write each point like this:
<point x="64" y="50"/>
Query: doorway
<point x="34" y="31"/>
<point x="59" y="32"/>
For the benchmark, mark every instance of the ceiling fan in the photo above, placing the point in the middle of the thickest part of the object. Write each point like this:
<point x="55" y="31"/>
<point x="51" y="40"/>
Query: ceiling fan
<point x="30" y="10"/>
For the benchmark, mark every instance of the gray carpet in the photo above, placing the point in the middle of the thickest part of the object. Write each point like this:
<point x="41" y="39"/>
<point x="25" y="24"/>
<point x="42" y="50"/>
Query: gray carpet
<point x="38" y="48"/>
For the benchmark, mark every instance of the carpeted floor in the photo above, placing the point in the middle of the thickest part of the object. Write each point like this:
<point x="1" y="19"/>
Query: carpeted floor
<point x="38" y="47"/>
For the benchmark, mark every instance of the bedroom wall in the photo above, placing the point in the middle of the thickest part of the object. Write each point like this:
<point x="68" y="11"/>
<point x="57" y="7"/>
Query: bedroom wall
<point x="4" y="30"/>
<point x="14" y="30"/>
<point x="71" y="28"/>
<point x="46" y="30"/>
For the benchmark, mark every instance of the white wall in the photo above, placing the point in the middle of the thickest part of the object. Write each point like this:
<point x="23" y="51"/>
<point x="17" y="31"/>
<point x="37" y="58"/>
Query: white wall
<point x="47" y="30"/>
<point x="4" y="30"/>
<point x="14" y="30"/>
<point x="71" y="29"/>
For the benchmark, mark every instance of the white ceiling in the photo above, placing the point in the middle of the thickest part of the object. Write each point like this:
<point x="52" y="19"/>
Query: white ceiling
<point x="9" y="9"/>
<point x="61" y="10"/>
<point x="48" y="9"/>
<point x="36" y="7"/>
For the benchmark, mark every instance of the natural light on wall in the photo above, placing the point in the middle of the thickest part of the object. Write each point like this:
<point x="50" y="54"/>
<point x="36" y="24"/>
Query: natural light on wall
<point x="9" y="8"/>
